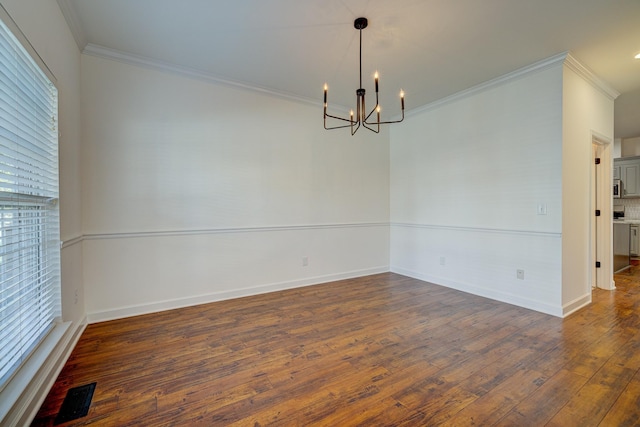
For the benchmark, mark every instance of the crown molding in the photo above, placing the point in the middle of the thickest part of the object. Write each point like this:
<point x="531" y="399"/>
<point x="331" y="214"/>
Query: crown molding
<point x="141" y="61"/>
<point x="498" y="81"/>
<point x="563" y="58"/>
<point x="573" y="64"/>
<point x="73" y="22"/>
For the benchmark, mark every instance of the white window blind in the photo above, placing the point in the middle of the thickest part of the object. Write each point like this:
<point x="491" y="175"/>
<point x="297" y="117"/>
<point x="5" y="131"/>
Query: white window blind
<point x="29" y="219"/>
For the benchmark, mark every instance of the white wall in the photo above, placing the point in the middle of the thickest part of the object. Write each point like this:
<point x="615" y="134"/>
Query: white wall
<point x="467" y="177"/>
<point x="630" y="147"/>
<point x="44" y="26"/>
<point x="586" y="111"/>
<point x="617" y="148"/>
<point x="194" y="192"/>
<point x="469" y="174"/>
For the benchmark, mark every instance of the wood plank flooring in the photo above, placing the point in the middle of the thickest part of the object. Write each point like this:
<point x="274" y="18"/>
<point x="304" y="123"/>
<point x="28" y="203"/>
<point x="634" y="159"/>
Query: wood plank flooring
<point x="378" y="350"/>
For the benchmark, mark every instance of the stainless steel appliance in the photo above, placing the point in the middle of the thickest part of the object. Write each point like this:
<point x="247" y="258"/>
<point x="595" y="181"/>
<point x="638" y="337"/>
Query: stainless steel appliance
<point x="634" y="248"/>
<point x="617" y="189"/>
<point x="618" y="212"/>
<point x="621" y="259"/>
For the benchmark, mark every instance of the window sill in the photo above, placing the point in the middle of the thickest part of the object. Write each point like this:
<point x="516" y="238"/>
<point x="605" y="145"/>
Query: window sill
<point x="26" y="391"/>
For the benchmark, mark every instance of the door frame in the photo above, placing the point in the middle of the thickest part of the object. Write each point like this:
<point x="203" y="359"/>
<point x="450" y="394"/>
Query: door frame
<point x="601" y="227"/>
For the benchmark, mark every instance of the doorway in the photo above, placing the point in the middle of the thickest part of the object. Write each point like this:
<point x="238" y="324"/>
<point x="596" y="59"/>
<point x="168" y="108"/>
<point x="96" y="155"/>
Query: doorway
<point x="601" y="226"/>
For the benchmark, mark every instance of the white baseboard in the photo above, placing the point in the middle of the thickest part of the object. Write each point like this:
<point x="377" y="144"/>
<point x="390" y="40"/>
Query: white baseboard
<point x="135" y="310"/>
<point x="483" y="292"/>
<point x="24" y="394"/>
<point x="576" y="304"/>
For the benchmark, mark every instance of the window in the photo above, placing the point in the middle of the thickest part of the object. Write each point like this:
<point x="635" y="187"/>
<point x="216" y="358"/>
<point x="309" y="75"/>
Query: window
<point x="29" y="219"/>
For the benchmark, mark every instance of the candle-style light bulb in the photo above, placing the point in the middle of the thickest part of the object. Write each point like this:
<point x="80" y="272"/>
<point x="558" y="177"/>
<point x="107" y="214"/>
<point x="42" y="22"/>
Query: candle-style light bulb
<point x="351" y="121"/>
<point x="326" y="88"/>
<point x="402" y="98"/>
<point x="375" y="78"/>
<point x="378" y="111"/>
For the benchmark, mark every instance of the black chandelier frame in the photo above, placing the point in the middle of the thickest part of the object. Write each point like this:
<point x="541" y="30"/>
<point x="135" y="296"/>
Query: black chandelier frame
<point x="361" y="117"/>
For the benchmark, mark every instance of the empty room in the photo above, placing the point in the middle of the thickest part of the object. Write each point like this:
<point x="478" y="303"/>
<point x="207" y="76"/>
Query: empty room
<point x="325" y="212"/>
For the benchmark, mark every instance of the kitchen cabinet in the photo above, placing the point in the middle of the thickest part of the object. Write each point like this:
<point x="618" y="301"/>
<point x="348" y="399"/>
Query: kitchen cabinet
<point x="629" y="174"/>
<point x="616" y="172"/>
<point x="633" y="239"/>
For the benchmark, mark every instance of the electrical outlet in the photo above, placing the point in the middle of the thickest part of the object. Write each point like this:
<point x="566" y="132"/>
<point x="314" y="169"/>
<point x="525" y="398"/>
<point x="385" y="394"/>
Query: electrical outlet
<point x="442" y="260"/>
<point x="520" y="274"/>
<point x="305" y="261"/>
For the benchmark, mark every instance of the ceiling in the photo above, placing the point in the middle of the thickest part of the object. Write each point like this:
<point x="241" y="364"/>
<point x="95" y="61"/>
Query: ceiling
<point x="429" y="48"/>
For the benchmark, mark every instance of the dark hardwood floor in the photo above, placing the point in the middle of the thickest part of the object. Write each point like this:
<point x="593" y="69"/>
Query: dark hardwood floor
<point x="378" y="350"/>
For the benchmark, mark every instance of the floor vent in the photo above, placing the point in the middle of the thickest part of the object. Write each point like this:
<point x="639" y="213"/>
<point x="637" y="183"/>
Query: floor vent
<point x="76" y="403"/>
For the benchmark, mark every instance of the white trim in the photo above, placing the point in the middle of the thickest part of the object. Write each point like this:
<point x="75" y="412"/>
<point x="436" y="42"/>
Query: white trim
<point x="134" y="310"/>
<point x="604" y="229"/>
<point x="483" y="292"/>
<point x="576" y="304"/>
<point x="98" y="236"/>
<point x="64" y="244"/>
<point x="25" y="393"/>
<point x="73" y="22"/>
<point x="498" y="81"/>
<point x="600" y="139"/>
<point x="478" y="229"/>
<point x="573" y="64"/>
<point x="154" y="64"/>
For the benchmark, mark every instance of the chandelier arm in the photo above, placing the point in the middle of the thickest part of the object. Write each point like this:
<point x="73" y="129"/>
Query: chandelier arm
<point x="337" y="127"/>
<point x="369" y="115"/>
<point x="371" y="129"/>
<point x="340" y="118"/>
<point x="367" y="124"/>
<point x="386" y="122"/>
<point x="353" y="131"/>
<point x="351" y="122"/>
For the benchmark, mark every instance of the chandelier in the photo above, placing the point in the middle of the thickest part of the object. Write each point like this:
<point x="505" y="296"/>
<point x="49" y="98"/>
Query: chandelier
<point x="361" y="116"/>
